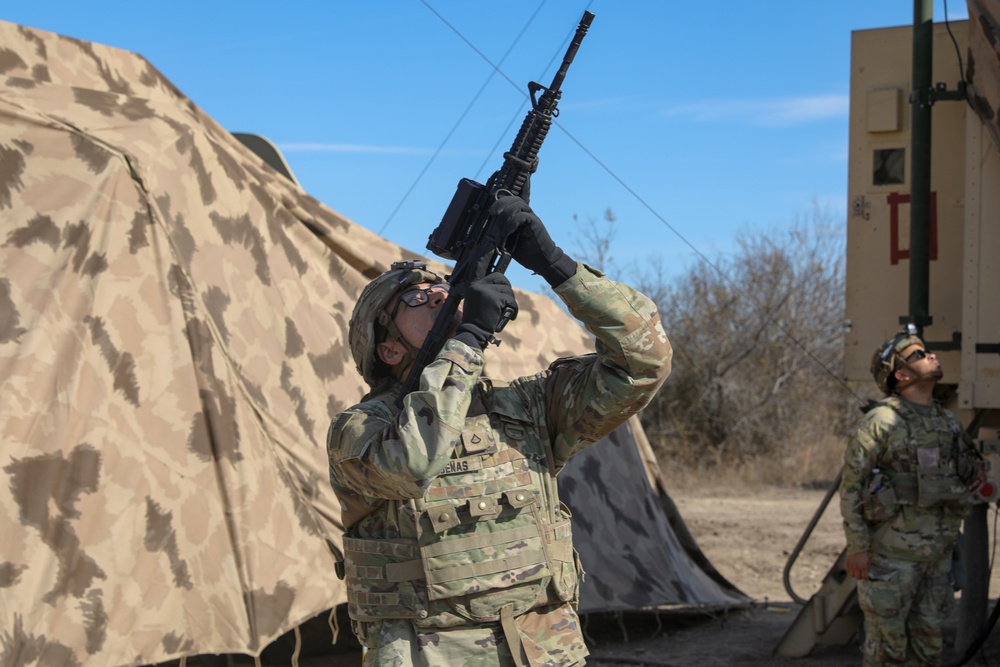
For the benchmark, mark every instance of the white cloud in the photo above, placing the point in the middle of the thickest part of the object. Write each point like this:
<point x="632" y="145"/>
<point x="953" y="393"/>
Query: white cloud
<point x="776" y="112"/>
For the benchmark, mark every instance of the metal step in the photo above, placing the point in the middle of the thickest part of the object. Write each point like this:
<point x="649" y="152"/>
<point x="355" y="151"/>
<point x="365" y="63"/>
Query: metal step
<point x="830" y="617"/>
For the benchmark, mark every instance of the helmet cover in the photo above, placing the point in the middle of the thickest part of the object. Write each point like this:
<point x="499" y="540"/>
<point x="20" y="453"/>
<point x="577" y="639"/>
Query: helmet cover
<point x="887" y="358"/>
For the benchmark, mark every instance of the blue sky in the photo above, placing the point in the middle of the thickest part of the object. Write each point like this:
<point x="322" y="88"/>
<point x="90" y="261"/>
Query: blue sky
<point x="690" y="121"/>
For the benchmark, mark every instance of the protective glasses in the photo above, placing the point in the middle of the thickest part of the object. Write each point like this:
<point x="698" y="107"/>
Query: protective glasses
<point x="916" y="355"/>
<point x="416" y="297"/>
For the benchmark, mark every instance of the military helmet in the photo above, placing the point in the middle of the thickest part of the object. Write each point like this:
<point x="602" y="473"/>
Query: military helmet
<point x="885" y="361"/>
<point x="369" y="316"/>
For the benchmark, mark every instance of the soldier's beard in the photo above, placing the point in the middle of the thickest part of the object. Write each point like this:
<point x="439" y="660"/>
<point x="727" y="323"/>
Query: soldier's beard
<point x="934" y="375"/>
<point x="915" y="377"/>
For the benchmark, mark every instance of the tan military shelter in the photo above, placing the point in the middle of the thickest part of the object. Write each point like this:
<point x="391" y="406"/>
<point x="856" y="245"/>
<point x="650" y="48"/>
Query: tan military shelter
<point x="983" y="60"/>
<point x="172" y="322"/>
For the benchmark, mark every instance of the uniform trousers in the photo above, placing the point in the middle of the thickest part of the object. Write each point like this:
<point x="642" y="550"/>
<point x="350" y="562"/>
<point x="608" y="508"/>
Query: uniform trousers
<point x="905" y="604"/>
<point x="545" y="637"/>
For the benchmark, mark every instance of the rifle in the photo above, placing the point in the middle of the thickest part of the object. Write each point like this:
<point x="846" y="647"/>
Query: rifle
<point x="467" y="234"/>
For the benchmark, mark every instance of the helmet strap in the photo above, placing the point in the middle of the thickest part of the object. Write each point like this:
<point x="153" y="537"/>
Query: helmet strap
<point x="393" y="333"/>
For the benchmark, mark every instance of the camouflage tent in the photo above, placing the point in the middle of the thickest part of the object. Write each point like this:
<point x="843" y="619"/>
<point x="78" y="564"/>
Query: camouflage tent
<point x="619" y="498"/>
<point x="172" y="318"/>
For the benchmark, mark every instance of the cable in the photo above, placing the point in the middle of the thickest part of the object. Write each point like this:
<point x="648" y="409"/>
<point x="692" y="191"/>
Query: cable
<point x="521" y="109"/>
<point x="991" y="622"/>
<point x="977" y="644"/>
<point x="496" y="69"/>
<point x="475" y="98"/>
<point x="993" y="551"/>
<point x="738" y="290"/>
<point x="958" y="53"/>
<point x="963" y="83"/>
<point x="707" y="261"/>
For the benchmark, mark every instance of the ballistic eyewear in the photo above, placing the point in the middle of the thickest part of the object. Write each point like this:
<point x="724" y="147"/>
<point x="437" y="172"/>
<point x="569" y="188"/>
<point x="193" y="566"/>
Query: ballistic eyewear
<point x="416" y="297"/>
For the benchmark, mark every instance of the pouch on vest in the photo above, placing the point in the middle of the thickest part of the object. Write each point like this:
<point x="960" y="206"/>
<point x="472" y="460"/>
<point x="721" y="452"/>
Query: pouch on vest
<point x="938" y="486"/>
<point x="566" y="561"/>
<point x="380" y="579"/>
<point x="879" y="501"/>
<point x="936" y="483"/>
<point x="486" y="556"/>
<point x="480" y="529"/>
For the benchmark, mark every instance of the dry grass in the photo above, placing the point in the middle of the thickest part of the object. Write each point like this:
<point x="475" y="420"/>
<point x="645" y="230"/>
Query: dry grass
<point x="813" y="464"/>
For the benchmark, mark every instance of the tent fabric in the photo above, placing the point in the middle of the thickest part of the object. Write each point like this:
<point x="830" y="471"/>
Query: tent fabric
<point x="983" y="71"/>
<point x="173" y="317"/>
<point x="169" y="350"/>
<point x="617" y="498"/>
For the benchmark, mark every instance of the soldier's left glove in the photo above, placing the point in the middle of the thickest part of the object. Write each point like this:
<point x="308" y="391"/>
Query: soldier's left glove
<point x="489" y="303"/>
<point x="529" y="242"/>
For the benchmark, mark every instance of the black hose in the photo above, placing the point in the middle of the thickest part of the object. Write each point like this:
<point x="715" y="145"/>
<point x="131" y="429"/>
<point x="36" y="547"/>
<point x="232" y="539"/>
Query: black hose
<point x="786" y="575"/>
<point x="981" y="639"/>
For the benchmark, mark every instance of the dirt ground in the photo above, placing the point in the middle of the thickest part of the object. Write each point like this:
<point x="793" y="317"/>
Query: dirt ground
<point x="747" y="535"/>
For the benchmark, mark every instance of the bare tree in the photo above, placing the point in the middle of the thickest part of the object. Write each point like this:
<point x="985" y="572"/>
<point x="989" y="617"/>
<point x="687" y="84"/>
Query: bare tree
<point x="594" y="243"/>
<point x="757" y="348"/>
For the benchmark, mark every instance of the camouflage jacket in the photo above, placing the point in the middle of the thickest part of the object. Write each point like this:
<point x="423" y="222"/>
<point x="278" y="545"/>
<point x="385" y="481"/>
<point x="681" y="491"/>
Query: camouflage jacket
<point x="903" y="488"/>
<point x="450" y="505"/>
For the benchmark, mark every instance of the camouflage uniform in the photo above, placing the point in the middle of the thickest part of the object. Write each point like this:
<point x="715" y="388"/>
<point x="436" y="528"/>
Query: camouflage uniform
<point x="903" y="497"/>
<point x="457" y="548"/>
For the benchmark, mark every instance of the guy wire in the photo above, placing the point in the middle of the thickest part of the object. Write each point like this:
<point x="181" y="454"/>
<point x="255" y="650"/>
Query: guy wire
<point x="743" y="293"/>
<point x="495" y="69"/>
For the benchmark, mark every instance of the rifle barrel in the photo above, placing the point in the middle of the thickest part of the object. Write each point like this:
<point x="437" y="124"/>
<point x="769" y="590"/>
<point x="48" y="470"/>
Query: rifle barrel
<point x="574" y="46"/>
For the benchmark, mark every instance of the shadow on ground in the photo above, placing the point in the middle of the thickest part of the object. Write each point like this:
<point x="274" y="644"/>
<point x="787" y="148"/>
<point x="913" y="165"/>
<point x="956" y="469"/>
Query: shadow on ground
<point x="670" y="638"/>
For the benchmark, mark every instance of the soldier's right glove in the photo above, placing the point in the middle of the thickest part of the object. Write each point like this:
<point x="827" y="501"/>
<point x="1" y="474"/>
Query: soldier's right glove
<point x="529" y="242"/>
<point x="489" y="303"/>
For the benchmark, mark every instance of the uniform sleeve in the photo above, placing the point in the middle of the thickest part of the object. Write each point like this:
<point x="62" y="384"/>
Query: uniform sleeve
<point x="864" y="450"/>
<point x="588" y="397"/>
<point x="378" y="452"/>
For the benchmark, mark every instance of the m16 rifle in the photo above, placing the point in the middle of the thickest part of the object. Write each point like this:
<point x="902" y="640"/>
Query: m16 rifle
<point x="468" y="234"/>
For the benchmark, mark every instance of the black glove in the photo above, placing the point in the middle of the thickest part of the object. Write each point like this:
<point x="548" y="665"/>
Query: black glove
<point x="488" y="301"/>
<point x="529" y="242"/>
<point x="525" y="193"/>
